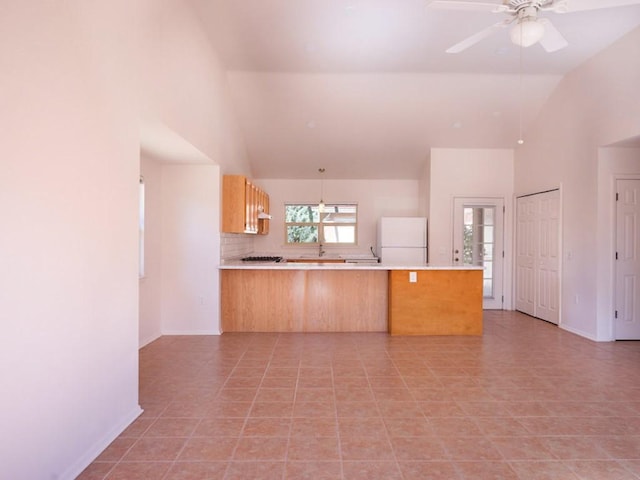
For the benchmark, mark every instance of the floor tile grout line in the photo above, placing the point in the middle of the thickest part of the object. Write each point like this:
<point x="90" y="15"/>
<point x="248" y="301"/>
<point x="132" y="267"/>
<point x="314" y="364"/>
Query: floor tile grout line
<point x="513" y="404"/>
<point x="335" y="408"/>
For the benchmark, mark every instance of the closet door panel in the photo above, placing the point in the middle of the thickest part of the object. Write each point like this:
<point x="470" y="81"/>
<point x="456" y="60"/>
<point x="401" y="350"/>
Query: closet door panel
<point x="538" y="255"/>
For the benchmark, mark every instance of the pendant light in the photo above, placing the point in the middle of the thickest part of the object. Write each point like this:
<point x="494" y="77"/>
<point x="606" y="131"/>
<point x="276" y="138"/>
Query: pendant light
<point x="321" y="204"/>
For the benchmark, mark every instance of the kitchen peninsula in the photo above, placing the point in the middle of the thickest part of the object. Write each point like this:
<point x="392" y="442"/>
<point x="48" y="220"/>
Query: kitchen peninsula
<point x="348" y="297"/>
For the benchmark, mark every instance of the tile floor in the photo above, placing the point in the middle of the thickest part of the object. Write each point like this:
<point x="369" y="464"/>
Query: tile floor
<point x="525" y="401"/>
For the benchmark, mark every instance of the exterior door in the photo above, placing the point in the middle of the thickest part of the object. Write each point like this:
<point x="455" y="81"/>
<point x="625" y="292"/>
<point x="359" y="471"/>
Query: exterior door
<point x="538" y="255"/>
<point x="627" y="276"/>
<point x="478" y="240"/>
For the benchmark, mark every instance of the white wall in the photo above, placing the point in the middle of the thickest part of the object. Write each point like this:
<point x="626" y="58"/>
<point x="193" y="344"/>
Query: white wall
<point x="184" y="86"/>
<point x="424" y="189"/>
<point x="375" y="198"/>
<point x="150" y="310"/>
<point x="74" y="76"/>
<point x="613" y="163"/>
<point x="68" y="267"/>
<point x="190" y="249"/>
<point x="179" y="293"/>
<point x="595" y="105"/>
<point x="468" y="173"/>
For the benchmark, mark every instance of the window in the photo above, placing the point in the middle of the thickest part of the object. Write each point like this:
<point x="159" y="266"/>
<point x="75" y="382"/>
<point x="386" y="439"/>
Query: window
<point x="141" y="228"/>
<point x="306" y="224"/>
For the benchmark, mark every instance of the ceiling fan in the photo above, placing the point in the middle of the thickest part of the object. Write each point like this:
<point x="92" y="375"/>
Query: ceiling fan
<point x="529" y="28"/>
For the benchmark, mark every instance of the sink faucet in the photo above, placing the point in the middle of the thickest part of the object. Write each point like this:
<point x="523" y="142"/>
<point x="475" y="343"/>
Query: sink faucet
<point x="320" y="250"/>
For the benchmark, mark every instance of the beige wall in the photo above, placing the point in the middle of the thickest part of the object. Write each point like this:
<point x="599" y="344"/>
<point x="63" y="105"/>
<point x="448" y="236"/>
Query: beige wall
<point x="190" y="249"/>
<point x="79" y="79"/>
<point x="375" y="198"/>
<point x="468" y="173"/>
<point x="613" y="163"/>
<point x="595" y="105"/>
<point x="179" y="292"/>
<point x="150" y="308"/>
<point x="69" y="276"/>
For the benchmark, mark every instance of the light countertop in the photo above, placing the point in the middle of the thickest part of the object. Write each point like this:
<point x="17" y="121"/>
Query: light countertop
<point x="240" y="265"/>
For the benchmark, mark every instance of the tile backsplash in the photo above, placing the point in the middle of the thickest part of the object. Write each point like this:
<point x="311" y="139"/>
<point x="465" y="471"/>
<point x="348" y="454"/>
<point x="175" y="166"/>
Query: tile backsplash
<point x="235" y="245"/>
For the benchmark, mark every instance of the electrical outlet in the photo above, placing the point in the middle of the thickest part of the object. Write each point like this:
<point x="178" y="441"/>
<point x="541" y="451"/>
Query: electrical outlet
<point x="413" y="277"/>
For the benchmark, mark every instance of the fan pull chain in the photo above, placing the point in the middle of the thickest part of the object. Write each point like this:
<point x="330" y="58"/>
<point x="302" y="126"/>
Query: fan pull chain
<point x="520" y="139"/>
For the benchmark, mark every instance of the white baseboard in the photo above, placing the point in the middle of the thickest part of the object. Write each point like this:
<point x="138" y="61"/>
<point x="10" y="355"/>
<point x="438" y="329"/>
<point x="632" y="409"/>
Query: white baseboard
<point x="149" y="339"/>
<point x="579" y="332"/>
<point x="90" y="455"/>
<point x="191" y="332"/>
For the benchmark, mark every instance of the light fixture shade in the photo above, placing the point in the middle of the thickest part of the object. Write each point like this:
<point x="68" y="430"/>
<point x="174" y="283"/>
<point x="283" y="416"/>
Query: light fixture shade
<point x="527" y="32"/>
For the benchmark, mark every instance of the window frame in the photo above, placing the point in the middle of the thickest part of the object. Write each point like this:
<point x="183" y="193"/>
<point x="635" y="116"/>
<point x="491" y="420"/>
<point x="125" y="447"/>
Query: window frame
<point x="320" y="224"/>
<point x="142" y="197"/>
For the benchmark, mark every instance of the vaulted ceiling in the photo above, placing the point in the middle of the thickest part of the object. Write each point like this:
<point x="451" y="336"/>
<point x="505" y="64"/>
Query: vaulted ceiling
<point x="364" y="88"/>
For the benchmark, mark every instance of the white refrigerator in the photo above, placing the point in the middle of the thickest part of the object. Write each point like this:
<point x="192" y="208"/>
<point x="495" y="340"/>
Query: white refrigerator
<point x="402" y="240"/>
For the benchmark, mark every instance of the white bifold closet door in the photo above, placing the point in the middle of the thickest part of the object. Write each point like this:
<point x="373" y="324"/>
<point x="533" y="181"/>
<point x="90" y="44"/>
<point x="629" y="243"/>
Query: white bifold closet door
<point x="538" y="255"/>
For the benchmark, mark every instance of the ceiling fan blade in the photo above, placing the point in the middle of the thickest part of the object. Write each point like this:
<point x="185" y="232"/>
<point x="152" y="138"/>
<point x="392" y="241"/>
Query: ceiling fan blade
<point x="568" y="6"/>
<point x="481" y="35"/>
<point x="552" y="40"/>
<point x="467" y="6"/>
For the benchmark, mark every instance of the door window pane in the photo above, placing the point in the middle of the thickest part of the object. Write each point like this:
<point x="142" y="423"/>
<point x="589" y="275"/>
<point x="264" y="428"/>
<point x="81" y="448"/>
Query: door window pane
<point x="478" y="242"/>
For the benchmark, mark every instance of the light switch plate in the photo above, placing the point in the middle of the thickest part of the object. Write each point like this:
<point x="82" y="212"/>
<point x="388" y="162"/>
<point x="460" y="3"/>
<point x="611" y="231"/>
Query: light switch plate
<point x="413" y="277"/>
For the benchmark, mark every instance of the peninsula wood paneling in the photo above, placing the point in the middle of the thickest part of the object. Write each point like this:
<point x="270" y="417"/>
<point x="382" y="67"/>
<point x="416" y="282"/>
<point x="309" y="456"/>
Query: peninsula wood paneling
<point x="440" y="302"/>
<point x="304" y="300"/>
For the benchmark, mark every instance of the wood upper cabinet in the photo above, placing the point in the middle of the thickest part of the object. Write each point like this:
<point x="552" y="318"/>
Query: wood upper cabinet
<point x="263" y="223"/>
<point x="242" y="203"/>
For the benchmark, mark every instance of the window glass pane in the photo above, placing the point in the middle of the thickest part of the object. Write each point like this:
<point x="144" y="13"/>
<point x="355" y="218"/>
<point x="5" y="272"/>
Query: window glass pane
<point x="487" y="288"/>
<point x="467" y="248"/>
<point x="488" y="269"/>
<point x="302" y="234"/>
<point x="339" y="234"/>
<point x="488" y="215"/>
<point x="488" y="251"/>
<point x="468" y="216"/>
<point x="488" y="234"/>
<point x="338" y="218"/>
<point x="141" y="223"/>
<point x="301" y="213"/>
<point x="335" y="224"/>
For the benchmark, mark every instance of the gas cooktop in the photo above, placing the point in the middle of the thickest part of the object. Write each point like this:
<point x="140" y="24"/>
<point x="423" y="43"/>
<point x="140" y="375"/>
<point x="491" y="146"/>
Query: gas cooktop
<point x="262" y="259"/>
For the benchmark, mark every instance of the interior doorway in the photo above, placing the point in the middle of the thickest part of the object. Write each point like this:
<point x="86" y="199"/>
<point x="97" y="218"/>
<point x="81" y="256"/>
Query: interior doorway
<point x="627" y="265"/>
<point x="478" y="231"/>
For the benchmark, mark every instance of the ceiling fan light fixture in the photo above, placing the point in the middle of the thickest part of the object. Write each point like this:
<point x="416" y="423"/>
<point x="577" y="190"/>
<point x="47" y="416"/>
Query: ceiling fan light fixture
<point x="527" y="32"/>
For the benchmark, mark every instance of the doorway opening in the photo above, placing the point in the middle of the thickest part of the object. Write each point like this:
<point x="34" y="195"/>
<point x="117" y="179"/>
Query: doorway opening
<point x="478" y="241"/>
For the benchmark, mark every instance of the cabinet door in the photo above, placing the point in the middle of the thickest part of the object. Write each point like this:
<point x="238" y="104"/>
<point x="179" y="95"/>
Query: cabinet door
<point x="435" y="302"/>
<point x="233" y="204"/>
<point x="263" y="228"/>
<point x="251" y="208"/>
<point x="254" y="209"/>
<point x="241" y="200"/>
